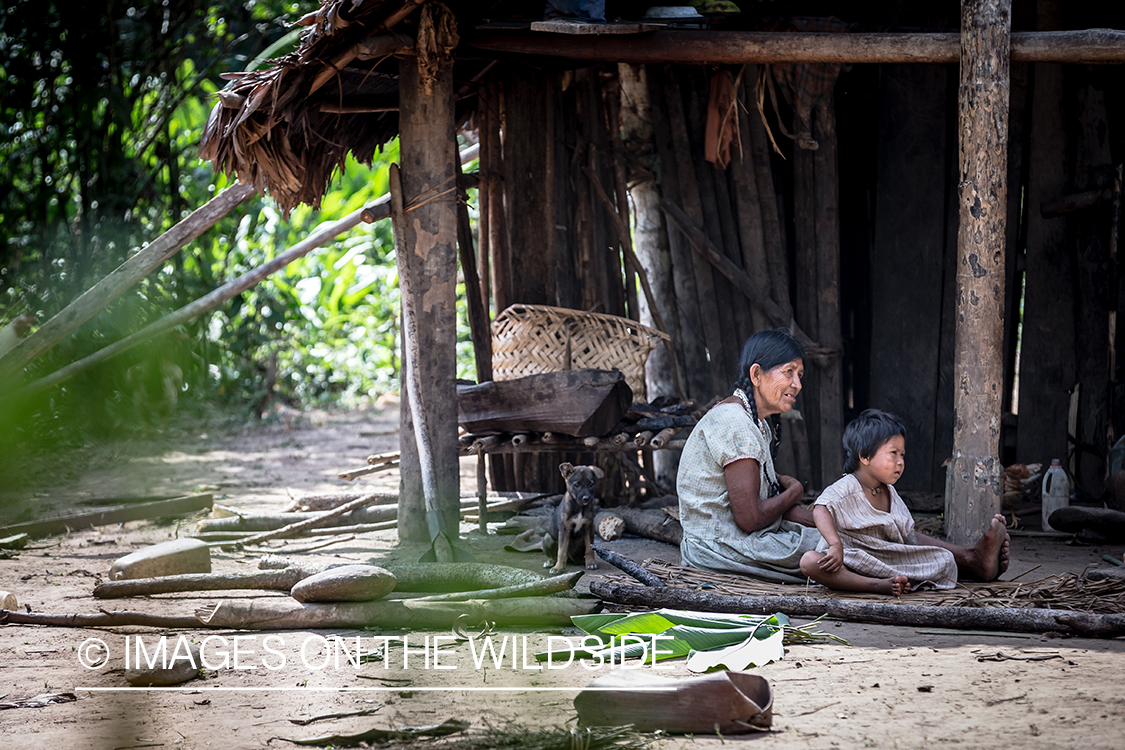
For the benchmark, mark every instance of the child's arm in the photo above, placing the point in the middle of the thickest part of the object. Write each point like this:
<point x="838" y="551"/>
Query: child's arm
<point x="833" y="559"/>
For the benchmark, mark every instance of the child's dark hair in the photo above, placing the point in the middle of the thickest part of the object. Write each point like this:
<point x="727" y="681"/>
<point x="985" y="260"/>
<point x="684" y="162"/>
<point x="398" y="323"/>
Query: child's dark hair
<point x="767" y="349"/>
<point x="866" y="433"/>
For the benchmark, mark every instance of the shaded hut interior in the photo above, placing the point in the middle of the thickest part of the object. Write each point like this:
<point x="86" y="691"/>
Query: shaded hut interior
<point x="839" y="203"/>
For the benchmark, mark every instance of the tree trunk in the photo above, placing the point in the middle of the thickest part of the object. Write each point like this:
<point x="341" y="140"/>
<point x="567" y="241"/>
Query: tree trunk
<point x="979" y="343"/>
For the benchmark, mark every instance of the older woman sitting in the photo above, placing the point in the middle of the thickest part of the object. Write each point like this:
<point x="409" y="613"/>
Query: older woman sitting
<point x="738" y="514"/>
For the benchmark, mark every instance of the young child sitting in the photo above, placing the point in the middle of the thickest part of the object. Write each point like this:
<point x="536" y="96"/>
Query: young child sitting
<point x="869" y="542"/>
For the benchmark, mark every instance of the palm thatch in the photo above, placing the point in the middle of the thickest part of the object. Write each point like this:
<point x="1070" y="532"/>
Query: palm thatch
<point x="285" y="128"/>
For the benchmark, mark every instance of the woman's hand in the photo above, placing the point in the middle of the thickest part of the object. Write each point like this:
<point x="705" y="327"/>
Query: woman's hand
<point x="833" y="559"/>
<point x="789" y="484"/>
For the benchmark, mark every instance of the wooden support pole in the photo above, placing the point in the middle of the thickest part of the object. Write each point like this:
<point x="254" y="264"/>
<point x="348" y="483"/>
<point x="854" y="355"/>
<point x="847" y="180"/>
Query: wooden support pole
<point x="826" y="187"/>
<point x="736" y="47"/>
<point x="978" y="343"/>
<point x="426" y="245"/>
<point x="479" y="329"/>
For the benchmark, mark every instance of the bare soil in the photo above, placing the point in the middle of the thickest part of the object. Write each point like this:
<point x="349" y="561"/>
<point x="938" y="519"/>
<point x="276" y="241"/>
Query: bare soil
<point x="889" y="687"/>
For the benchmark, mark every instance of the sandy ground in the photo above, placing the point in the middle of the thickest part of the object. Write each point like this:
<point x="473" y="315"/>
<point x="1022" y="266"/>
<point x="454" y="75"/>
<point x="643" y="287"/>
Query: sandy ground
<point x="889" y="687"/>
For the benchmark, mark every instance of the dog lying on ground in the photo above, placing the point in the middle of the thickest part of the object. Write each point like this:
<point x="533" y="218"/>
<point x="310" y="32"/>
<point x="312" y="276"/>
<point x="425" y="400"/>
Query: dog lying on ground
<point x="571" y="528"/>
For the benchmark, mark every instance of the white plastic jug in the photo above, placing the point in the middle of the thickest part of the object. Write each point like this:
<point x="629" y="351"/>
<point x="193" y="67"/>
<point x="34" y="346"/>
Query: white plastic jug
<point x="1056" y="491"/>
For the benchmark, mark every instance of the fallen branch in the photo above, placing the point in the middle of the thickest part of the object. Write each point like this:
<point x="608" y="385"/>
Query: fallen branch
<point x="117" y="618"/>
<point x="320" y="520"/>
<point x="957" y="618"/>
<point x="628" y="566"/>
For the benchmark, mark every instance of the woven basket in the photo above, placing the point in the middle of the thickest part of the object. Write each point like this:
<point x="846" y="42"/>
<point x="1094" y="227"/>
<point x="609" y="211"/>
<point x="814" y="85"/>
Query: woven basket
<point x="532" y="339"/>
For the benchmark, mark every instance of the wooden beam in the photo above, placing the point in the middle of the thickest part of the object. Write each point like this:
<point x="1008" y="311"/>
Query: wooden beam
<point x="738" y="47"/>
<point x="976" y="489"/>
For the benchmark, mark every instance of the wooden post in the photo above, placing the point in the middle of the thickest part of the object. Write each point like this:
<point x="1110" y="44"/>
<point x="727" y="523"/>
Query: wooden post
<point x="982" y="198"/>
<point x="650" y="242"/>
<point x="428" y="265"/>
<point x="830" y="375"/>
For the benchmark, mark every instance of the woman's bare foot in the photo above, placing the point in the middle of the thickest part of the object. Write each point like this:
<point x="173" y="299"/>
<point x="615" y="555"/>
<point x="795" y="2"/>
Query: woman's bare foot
<point x="989" y="557"/>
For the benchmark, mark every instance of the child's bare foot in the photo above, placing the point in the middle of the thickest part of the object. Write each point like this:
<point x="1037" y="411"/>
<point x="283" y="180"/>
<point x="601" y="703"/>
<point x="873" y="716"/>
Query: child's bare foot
<point x="896" y="586"/>
<point x="989" y="557"/>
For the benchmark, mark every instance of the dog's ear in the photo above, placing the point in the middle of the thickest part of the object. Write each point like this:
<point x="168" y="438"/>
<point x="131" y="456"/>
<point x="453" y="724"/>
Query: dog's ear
<point x="566" y="469"/>
<point x="597" y="472"/>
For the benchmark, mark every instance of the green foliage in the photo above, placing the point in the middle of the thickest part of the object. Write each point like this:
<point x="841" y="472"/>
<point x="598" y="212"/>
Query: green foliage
<point x="101" y="108"/>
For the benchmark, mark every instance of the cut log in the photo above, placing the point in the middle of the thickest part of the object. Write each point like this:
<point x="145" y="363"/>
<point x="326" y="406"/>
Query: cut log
<point x="651" y="525"/>
<point x="579" y="403"/>
<point x="1073" y="519"/>
<point x="320" y="519"/>
<point x="957" y="618"/>
<point x="663" y="437"/>
<point x="609" y="525"/>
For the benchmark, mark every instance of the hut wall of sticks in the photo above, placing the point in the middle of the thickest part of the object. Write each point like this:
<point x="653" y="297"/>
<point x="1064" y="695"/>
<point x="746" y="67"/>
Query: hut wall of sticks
<point x="818" y="166"/>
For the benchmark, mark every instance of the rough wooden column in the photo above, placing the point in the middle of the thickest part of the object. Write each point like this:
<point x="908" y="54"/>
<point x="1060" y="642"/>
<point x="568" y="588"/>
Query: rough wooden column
<point x="829" y="376"/>
<point x="975" y="489"/>
<point x="428" y="154"/>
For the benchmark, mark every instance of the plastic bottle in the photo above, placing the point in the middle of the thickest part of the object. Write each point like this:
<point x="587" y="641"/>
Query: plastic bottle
<point x="1056" y="491"/>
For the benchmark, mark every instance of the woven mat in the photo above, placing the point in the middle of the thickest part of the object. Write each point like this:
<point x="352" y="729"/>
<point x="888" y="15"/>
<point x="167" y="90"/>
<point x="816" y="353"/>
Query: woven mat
<point x="1067" y="591"/>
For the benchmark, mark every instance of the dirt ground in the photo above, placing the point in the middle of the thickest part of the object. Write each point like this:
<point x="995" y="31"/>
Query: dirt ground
<point x="889" y="687"/>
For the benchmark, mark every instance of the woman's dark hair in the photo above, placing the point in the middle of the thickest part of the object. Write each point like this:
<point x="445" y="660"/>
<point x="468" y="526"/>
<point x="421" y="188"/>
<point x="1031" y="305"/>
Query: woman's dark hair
<point x="866" y="433"/>
<point x="767" y="349"/>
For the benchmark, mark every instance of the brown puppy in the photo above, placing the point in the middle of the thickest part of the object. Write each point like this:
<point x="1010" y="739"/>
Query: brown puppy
<point x="571" y="528"/>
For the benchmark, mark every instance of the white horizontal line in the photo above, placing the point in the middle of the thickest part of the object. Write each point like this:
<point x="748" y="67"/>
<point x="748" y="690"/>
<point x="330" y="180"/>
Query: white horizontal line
<point x="646" y="689"/>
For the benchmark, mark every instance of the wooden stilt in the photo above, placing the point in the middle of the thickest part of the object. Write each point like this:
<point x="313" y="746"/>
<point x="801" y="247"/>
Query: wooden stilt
<point x="983" y="130"/>
<point x="427" y="257"/>
<point x="829" y="370"/>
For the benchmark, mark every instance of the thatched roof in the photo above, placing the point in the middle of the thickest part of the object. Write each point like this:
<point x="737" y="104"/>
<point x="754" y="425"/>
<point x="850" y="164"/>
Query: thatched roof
<point x="285" y="128"/>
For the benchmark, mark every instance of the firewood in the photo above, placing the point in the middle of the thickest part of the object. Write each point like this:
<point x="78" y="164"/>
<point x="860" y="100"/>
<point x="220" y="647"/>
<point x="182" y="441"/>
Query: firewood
<point x="642" y="438"/>
<point x="651" y="525"/>
<point x="663" y="437"/>
<point x="609" y="525"/>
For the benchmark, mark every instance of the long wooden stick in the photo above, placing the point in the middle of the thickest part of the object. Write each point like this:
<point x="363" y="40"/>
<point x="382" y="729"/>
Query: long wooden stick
<point x="374" y="211"/>
<point x="124" y="276"/>
<point x="265" y="580"/>
<point x="310" y="523"/>
<point x="117" y="618"/>
<point x="959" y="618"/>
